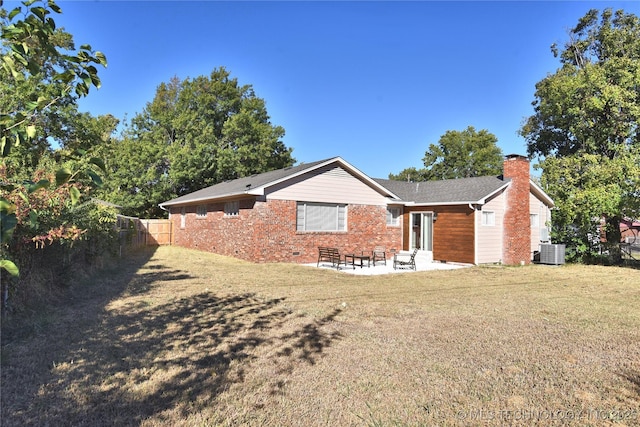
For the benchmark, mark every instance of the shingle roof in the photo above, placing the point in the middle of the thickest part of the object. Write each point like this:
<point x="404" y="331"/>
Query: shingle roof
<point x="241" y="185"/>
<point x="448" y="191"/>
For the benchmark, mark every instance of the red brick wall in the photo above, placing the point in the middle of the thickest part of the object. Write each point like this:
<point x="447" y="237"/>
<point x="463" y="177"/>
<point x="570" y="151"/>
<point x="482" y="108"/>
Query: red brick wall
<point x="517" y="224"/>
<point x="266" y="232"/>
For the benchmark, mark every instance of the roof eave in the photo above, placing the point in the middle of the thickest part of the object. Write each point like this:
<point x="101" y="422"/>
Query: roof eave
<point x="204" y="199"/>
<point x="493" y="193"/>
<point x="548" y="200"/>
<point x="477" y="202"/>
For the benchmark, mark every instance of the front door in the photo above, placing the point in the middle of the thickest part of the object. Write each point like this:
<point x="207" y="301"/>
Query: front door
<point x="421" y="235"/>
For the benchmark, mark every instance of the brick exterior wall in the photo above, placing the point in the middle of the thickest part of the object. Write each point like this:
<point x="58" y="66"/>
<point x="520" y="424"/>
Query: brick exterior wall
<point x="517" y="224"/>
<point x="265" y="231"/>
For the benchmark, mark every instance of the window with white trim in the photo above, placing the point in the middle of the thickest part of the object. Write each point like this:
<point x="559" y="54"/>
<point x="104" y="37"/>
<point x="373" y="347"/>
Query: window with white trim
<point x="321" y="217"/>
<point x="232" y="208"/>
<point x="201" y="211"/>
<point x="393" y="216"/>
<point x="183" y="217"/>
<point x="488" y="218"/>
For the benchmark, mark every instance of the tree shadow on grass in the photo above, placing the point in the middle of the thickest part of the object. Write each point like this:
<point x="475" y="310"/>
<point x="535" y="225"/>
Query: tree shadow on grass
<point x="143" y="359"/>
<point x="634" y="378"/>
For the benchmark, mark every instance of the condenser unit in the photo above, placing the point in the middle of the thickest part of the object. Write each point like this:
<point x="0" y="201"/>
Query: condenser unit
<point x="552" y="253"/>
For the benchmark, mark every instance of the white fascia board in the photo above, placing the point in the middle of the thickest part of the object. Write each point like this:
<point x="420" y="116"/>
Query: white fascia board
<point x="201" y="199"/>
<point x="477" y="202"/>
<point x="258" y="191"/>
<point x="488" y="196"/>
<point x="540" y="192"/>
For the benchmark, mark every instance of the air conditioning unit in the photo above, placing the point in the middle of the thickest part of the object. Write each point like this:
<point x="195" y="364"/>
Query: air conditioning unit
<point x="552" y="254"/>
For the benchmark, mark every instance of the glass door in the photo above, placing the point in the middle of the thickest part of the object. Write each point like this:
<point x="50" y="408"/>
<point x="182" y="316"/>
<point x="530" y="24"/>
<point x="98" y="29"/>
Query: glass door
<point x="421" y="235"/>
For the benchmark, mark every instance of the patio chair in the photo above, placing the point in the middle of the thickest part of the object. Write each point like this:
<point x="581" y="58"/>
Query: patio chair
<point x="401" y="260"/>
<point x="379" y="254"/>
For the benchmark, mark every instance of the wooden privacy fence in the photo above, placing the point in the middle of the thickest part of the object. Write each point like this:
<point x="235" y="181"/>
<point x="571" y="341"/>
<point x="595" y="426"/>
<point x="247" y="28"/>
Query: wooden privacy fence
<point x="135" y="232"/>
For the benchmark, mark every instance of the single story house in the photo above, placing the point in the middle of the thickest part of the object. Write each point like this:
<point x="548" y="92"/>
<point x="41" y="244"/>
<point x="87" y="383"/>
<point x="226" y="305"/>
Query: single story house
<point x="285" y="215"/>
<point x="629" y="230"/>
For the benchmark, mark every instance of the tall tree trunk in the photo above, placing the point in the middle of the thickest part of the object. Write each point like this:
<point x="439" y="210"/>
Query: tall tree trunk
<point x="613" y="238"/>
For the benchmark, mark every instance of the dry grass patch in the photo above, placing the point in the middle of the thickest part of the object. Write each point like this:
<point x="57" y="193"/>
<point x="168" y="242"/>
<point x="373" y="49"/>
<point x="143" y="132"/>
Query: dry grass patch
<point x="179" y="337"/>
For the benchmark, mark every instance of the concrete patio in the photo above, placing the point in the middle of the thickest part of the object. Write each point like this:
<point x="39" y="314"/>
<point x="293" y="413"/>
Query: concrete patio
<point x="381" y="268"/>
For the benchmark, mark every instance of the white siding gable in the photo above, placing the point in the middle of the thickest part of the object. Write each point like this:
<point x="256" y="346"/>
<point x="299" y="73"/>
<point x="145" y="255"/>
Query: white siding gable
<point x="489" y="238"/>
<point x="537" y="207"/>
<point x="331" y="184"/>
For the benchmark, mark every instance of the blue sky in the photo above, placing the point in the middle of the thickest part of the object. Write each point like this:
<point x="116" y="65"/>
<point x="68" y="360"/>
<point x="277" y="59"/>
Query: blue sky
<point x="372" y="82"/>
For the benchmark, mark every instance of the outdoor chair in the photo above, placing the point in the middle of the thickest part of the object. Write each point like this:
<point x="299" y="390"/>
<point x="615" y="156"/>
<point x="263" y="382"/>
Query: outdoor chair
<point x="331" y="255"/>
<point x="401" y="260"/>
<point x="379" y="254"/>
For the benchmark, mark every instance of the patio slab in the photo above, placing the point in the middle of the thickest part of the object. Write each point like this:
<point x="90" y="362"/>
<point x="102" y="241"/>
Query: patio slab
<point x="388" y="269"/>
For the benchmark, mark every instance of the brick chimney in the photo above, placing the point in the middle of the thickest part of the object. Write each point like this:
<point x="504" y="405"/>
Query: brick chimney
<point x="517" y="224"/>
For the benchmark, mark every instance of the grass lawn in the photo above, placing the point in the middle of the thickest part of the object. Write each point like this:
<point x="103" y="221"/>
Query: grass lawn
<point x="179" y="337"/>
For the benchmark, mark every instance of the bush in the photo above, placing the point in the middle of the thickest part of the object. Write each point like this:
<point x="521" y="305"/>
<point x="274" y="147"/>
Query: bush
<point x="57" y="238"/>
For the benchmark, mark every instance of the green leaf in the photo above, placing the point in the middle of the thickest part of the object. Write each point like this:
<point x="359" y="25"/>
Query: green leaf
<point x="33" y="219"/>
<point x="62" y="176"/>
<point x="53" y="6"/>
<point x="23" y="197"/>
<point x="102" y="60"/>
<point x="5" y="146"/>
<point x="75" y="195"/>
<point x="43" y="183"/>
<point x="67" y="76"/>
<point x="33" y="67"/>
<point x="86" y="79"/>
<point x="96" y="81"/>
<point x="21" y="136"/>
<point x="81" y="90"/>
<point x="42" y="101"/>
<point x="40" y="12"/>
<point x="14" y="12"/>
<point x="8" y="222"/>
<point x="11" y="268"/>
<point x="95" y="178"/>
<point x="10" y="65"/>
<point x="31" y="131"/>
<point x="6" y="206"/>
<point x="99" y="163"/>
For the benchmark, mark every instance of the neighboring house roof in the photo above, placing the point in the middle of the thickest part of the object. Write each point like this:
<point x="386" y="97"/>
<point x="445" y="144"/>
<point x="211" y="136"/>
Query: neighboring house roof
<point x="448" y="191"/>
<point x="256" y="184"/>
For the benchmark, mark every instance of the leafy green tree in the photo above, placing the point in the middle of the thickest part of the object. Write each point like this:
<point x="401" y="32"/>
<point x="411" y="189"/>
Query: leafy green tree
<point x="41" y="77"/>
<point x="195" y="133"/>
<point x="585" y="130"/>
<point x="458" y="154"/>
